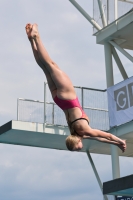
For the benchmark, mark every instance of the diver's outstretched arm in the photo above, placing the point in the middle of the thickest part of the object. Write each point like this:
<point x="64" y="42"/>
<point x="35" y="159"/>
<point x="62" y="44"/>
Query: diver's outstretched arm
<point x="86" y="131"/>
<point x="122" y="147"/>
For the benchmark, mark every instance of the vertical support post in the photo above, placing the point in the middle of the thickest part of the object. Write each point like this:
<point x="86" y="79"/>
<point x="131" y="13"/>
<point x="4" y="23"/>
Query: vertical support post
<point x="96" y="174"/>
<point x="17" y="109"/>
<point x="115" y="162"/>
<point x="102" y="13"/>
<point x="107" y="11"/>
<point x="53" y="114"/>
<point x="37" y="127"/>
<point x="82" y="97"/>
<point x="108" y="64"/>
<point x="44" y="107"/>
<point x="116" y="9"/>
<point x="110" y="82"/>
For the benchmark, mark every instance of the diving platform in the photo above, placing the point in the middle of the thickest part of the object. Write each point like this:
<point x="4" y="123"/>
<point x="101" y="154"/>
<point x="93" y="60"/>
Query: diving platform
<point x="31" y="134"/>
<point x="119" y="31"/>
<point x="119" y="187"/>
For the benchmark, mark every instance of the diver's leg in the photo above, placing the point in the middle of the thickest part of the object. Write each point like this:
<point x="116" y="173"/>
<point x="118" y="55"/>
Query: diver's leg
<point x="64" y="85"/>
<point x="51" y="84"/>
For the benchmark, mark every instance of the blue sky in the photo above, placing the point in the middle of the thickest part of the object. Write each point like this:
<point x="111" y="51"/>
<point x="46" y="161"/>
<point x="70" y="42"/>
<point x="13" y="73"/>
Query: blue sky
<point x="33" y="173"/>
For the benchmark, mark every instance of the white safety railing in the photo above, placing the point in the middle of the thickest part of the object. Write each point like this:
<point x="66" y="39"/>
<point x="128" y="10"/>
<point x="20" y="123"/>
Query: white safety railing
<point x="93" y="101"/>
<point x="107" y="11"/>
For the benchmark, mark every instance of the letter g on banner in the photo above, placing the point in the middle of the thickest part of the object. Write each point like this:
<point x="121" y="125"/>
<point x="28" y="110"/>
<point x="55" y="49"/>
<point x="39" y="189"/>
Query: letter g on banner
<point x="121" y="98"/>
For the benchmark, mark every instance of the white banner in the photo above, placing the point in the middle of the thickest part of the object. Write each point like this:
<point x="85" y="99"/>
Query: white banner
<point x="120" y="102"/>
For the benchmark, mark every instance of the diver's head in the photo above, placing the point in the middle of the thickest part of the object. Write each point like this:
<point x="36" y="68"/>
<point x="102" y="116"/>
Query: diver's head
<point x="74" y="143"/>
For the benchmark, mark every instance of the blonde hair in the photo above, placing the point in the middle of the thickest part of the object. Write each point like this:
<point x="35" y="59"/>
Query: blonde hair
<point x="71" y="140"/>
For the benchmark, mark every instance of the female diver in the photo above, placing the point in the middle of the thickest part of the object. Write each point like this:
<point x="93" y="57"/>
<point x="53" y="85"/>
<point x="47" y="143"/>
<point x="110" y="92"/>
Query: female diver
<point x="64" y="96"/>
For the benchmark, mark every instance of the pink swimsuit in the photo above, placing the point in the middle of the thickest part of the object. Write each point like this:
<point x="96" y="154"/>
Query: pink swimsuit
<point x="67" y="104"/>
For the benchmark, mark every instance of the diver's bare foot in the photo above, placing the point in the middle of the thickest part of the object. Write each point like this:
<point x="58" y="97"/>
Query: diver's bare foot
<point x="32" y="31"/>
<point x="28" y="29"/>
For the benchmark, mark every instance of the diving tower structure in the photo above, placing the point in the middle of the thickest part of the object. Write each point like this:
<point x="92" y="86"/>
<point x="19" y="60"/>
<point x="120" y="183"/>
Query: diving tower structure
<point x="115" y="35"/>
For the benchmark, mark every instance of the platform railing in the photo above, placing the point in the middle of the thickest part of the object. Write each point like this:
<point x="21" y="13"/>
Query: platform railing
<point x="93" y="101"/>
<point x="111" y="9"/>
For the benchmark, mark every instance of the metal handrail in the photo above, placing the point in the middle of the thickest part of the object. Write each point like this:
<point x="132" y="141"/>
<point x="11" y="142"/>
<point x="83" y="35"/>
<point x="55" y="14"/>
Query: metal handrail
<point x="96" y="109"/>
<point x="52" y="116"/>
<point x="30" y="100"/>
<point x="91" y="88"/>
<point x="55" y="104"/>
